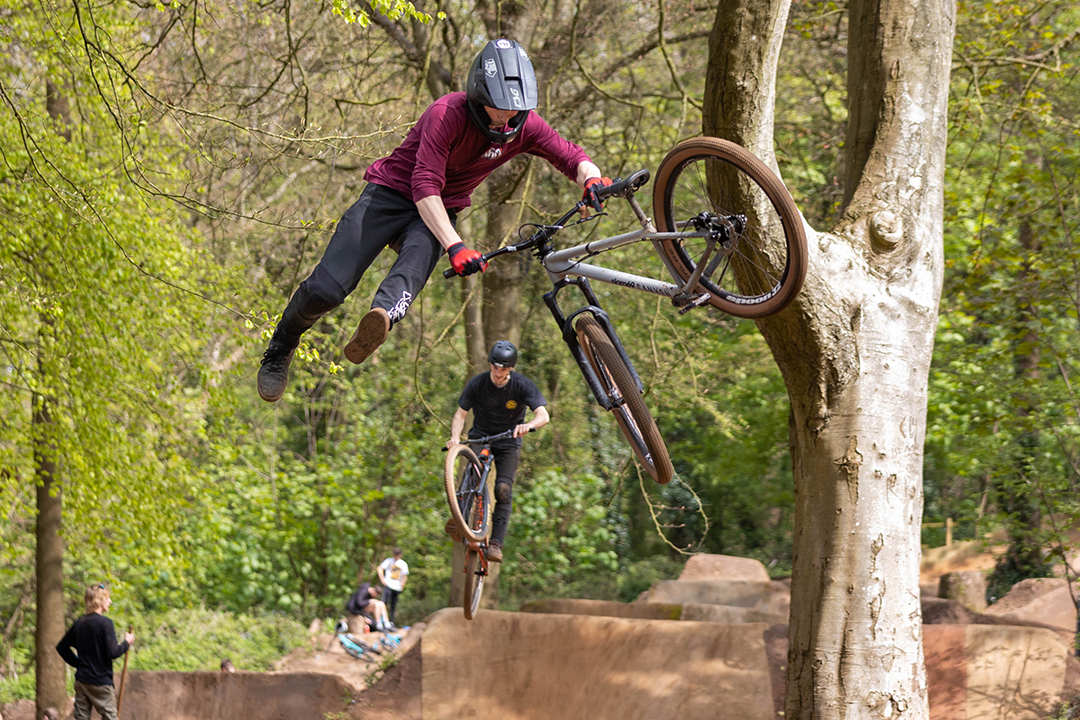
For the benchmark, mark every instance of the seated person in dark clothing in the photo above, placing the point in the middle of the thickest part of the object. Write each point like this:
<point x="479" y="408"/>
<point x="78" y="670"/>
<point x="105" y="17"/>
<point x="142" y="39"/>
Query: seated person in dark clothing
<point x="365" y="603"/>
<point x="93" y="638"/>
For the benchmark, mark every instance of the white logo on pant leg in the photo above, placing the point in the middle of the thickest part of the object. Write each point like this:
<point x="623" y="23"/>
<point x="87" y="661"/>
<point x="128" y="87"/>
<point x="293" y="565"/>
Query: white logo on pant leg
<point x="401" y="306"/>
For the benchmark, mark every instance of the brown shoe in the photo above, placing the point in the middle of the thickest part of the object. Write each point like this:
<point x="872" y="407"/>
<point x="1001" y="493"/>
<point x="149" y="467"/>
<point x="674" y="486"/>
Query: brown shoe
<point x="369" y="335"/>
<point x="494" y="553"/>
<point x="453" y="530"/>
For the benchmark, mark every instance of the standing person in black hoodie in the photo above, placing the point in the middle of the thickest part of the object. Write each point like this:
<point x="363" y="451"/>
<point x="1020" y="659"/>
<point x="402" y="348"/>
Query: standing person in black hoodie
<point x="93" y="638"/>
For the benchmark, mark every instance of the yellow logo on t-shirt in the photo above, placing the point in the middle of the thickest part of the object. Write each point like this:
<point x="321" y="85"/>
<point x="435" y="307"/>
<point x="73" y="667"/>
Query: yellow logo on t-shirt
<point x="511" y="404"/>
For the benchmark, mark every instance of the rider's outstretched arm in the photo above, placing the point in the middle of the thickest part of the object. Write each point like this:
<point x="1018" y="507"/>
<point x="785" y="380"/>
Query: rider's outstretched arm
<point x="457" y="424"/>
<point x="540" y="419"/>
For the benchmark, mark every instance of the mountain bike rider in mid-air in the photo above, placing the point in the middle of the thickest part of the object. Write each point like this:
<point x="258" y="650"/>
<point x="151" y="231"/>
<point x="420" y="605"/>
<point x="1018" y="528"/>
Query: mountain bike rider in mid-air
<point x="412" y="199"/>
<point x="498" y="399"/>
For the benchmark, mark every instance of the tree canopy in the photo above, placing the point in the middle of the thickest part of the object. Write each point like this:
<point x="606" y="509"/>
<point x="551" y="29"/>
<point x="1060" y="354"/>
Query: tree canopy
<point x="169" y="172"/>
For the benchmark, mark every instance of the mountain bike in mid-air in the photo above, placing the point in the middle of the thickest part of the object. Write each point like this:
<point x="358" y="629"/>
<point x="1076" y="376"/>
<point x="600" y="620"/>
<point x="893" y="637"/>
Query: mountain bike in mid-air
<point x="466" y="474"/>
<point x="728" y="233"/>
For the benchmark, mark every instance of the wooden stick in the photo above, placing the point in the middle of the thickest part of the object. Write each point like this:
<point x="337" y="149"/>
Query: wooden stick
<point x="123" y="677"/>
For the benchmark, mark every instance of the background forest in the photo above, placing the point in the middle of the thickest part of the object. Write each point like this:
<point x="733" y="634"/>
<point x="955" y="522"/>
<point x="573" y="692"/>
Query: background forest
<point x="169" y="173"/>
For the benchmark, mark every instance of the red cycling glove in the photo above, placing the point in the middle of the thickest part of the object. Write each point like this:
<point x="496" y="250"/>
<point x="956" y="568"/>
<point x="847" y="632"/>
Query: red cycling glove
<point x="591" y="186"/>
<point x="465" y="261"/>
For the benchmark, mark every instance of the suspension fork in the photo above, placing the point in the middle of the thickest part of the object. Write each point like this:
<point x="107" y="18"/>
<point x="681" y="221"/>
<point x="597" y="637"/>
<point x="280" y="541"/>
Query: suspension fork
<point x="569" y="336"/>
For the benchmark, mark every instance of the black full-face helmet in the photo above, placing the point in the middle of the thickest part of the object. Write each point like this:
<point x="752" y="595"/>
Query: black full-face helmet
<point x="501" y="77"/>
<point x="503" y="354"/>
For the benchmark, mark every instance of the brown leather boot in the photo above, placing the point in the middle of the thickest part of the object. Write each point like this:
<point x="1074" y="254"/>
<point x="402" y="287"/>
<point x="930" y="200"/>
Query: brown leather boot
<point x="370" y="333"/>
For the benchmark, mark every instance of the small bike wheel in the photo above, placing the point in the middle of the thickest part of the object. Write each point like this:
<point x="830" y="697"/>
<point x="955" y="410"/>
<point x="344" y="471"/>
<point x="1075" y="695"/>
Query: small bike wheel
<point x="630" y="412"/>
<point x="468" y="503"/>
<point x="759" y="268"/>
<point x="474" y="582"/>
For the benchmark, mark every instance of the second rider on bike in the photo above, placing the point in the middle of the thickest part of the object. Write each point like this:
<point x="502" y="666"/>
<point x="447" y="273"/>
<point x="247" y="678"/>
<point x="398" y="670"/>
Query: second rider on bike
<point x="498" y="399"/>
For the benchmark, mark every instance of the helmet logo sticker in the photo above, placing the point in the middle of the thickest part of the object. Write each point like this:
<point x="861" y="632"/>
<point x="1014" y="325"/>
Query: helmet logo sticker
<point x="515" y="96"/>
<point x="511" y="404"/>
<point x="522" y="53"/>
<point x="503" y="44"/>
<point x="489" y="68"/>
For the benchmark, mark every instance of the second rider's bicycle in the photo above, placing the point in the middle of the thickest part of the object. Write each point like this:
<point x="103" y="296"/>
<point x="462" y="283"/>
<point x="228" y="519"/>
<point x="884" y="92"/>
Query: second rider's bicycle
<point x="466" y="475"/>
<point x="726" y="230"/>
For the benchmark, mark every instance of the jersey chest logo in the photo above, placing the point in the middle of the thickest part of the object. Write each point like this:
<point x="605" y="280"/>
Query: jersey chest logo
<point x="511" y="404"/>
<point x="493" y="153"/>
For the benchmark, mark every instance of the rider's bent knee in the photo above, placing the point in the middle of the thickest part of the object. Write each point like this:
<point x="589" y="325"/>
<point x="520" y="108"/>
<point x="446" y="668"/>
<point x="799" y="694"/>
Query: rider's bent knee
<point x="318" y="298"/>
<point x="503" y="492"/>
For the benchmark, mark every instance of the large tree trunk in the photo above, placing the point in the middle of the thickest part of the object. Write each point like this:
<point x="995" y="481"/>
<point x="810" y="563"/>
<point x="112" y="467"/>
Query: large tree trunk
<point x="51" y="688"/>
<point x="504" y="280"/>
<point x="855" y="348"/>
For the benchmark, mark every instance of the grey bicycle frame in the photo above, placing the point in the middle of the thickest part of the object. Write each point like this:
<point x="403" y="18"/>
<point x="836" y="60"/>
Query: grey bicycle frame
<point x="561" y="263"/>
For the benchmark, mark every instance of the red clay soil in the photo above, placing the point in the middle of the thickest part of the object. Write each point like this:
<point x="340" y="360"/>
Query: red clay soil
<point x="396" y="696"/>
<point x="22" y="710"/>
<point x="944" y="649"/>
<point x="1024" y="592"/>
<point x="943" y="664"/>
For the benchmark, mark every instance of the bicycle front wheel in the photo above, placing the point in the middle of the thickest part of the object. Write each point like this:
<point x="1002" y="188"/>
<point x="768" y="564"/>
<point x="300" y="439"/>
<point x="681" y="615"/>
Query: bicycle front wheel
<point x="760" y="267"/>
<point x="631" y="413"/>
<point x="474" y="582"/>
<point x="468" y="502"/>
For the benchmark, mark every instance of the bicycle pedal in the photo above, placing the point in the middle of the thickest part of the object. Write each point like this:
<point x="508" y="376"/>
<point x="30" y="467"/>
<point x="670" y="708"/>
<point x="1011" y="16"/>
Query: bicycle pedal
<point x="692" y="301"/>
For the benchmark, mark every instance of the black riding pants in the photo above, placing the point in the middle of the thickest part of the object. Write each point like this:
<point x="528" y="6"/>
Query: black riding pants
<point x="380" y="217"/>
<point x="506" y="456"/>
<point x="389" y="598"/>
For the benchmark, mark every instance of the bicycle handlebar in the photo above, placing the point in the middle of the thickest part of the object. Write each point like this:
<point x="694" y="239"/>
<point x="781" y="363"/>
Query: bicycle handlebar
<point x="481" y="440"/>
<point x="625" y="187"/>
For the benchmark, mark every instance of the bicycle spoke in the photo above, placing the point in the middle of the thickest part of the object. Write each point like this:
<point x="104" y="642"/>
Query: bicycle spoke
<point x="707" y="185"/>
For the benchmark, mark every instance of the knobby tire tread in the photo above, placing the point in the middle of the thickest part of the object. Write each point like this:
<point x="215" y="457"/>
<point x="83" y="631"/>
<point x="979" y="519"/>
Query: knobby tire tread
<point x="611" y="370"/>
<point x="450" y="477"/>
<point x="474" y="583"/>
<point x="667" y="177"/>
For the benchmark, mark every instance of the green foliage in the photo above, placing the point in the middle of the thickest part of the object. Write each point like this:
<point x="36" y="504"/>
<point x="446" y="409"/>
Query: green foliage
<point x="20" y="688"/>
<point x="198" y="639"/>
<point x="1003" y="434"/>
<point x="641" y="575"/>
<point x="393" y="9"/>
<point x="190" y="639"/>
<point x="560" y="530"/>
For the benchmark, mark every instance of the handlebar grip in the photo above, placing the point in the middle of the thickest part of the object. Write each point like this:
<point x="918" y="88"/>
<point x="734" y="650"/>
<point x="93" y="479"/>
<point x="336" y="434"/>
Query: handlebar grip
<point x="449" y="273"/>
<point x="621" y="186"/>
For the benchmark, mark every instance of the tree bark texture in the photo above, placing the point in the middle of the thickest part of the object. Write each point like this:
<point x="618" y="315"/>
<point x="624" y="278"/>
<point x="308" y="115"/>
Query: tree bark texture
<point x="50" y="679"/>
<point x="50" y="689"/>
<point x="855" y="348"/>
<point x="504" y="279"/>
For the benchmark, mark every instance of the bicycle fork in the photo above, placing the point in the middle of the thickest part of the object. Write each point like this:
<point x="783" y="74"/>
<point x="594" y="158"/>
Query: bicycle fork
<point x="569" y="336"/>
<point x="480" y="548"/>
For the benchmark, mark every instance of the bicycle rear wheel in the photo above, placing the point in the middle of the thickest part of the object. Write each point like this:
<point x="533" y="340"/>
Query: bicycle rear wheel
<point x="631" y="413"/>
<point x="761" y="266"/>
<point x="474" y="582"/>
<point x="468" y="502"/>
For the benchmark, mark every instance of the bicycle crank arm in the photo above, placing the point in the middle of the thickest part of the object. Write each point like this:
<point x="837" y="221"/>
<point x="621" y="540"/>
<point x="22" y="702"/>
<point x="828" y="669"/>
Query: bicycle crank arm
<point x="694" y="301"/>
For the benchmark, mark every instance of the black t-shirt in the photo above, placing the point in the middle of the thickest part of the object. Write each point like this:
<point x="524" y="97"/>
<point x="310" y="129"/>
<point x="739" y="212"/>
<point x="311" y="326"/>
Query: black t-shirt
<point x="498" y="409"/>
<point x="94" y="639"/>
